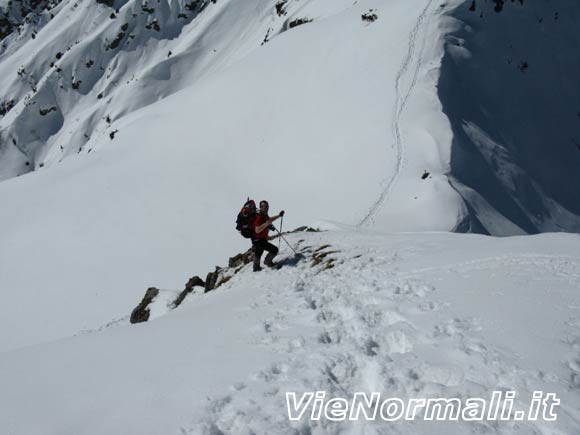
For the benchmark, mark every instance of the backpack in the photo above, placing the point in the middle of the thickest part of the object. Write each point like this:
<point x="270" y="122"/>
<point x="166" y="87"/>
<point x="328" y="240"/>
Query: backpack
<point x="245" y="220"/>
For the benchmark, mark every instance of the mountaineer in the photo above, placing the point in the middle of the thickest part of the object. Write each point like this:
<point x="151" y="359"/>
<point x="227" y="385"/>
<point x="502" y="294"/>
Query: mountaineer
<point x="262" y="224"/>
<point x="254" y="224"/>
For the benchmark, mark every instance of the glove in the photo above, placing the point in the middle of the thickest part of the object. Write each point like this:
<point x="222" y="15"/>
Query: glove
<point x="282" y="213"/>
<point x="272" y="227"/>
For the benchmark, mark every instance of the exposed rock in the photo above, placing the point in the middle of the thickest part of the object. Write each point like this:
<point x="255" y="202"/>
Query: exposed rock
<point x="281" y="7"/>
<point x="153" y="25"/>
<point x="298" y="22"/>
<point x="147" y="9"/>
<point x="117" y="41"/>
<point x="267" y="37"/>
<point x="222" y="275"/>
<point x="109" y="3"/>
<point x="212" y="279"/>
<point x="193" y="282"/>
<point x="370" y="16"/>
<point x="319" y="256"/>
<point x="305" y="228"/>
<point x="6" y="106"/>
<point x="46" y="111"/>
<point x="241" y="259"/>
<point x="141" y="312"/>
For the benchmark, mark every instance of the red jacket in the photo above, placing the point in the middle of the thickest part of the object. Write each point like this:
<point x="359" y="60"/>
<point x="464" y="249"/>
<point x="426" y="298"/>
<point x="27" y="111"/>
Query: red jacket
<point x="259" y="220"/>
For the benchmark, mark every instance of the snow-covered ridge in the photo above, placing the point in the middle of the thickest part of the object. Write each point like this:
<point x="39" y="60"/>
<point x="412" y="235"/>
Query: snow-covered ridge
<point x="157" y="302"/>
<point x="446" y="105"/>
<point x="71" y="69"/>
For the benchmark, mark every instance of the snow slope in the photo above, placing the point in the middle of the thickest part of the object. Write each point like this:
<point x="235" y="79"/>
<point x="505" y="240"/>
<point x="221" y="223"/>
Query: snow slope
<point x="67" y="78"/>
<point x="509" y="87"/>
<point x="388" y="126"/>
<point x="293" y="122"/>
<point x="408" y="315"/>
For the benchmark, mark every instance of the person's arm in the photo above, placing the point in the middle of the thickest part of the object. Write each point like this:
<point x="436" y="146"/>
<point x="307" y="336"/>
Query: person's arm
<point x="268" y="222"/>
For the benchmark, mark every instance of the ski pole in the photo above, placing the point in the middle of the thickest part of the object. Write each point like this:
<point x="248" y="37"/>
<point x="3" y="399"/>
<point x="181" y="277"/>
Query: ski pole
<point x="281" y="223"/>
<point x="284" y="238"/>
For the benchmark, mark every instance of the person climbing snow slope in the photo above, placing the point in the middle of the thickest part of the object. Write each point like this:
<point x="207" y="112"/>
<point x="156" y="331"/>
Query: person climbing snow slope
<point x="262" y="225"/>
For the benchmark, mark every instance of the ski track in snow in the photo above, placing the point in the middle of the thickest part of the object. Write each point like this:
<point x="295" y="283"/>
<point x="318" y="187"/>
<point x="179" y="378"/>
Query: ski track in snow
<point x="358" y="330"/>
<point x="399" y="108"/>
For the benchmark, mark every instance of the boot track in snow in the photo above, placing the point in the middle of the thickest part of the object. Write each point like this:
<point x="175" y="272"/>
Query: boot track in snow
<point x="399" y="108"/>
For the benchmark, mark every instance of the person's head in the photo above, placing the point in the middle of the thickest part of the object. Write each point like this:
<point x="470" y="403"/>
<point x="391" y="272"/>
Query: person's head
<point x="264" y="206"/>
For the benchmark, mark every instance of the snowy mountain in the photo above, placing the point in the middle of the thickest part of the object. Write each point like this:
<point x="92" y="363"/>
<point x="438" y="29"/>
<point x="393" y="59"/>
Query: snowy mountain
<point x="71" y="69"/>
<point x="508" y="85"/>
<point x="132" y="131"/>
<point x="161" y="197"/>
<point x="434" y="88"/>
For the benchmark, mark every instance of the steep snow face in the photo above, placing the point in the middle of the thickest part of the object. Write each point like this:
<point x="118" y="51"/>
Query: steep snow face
<point x="306" y="121"/>
<point x="509" y="85"/>
<point x="70" y="69"/>
<point x="408" y="316"/>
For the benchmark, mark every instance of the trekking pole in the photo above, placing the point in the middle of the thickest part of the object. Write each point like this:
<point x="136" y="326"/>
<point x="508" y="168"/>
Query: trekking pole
<point x="281" y="223"/>
<point x="284" y="238"/>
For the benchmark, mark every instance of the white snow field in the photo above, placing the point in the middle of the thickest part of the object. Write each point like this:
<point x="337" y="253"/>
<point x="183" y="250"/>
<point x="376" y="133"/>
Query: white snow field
<point x="124" y="164"/>
<point x="302" y="121"/>
<point x="407" y="315"/>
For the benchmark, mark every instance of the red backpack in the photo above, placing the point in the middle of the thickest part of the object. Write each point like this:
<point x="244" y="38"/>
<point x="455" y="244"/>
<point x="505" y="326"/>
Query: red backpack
<point x="245" y="220"/>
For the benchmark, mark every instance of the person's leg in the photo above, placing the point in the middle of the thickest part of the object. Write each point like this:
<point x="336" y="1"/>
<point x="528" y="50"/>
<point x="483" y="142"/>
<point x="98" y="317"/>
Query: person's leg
<point x="258" y="250"/>
<point x="272" y="252"/>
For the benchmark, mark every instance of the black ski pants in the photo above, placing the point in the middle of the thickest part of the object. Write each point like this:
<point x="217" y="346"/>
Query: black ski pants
<point x="261" y="245"/>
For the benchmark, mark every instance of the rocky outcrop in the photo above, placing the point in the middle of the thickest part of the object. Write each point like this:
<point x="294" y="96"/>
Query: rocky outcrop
<point x="141" y="312"/>
<point x="218" y="277"/>
<point x="242" y="259"/>
<point x="189" y="286"/>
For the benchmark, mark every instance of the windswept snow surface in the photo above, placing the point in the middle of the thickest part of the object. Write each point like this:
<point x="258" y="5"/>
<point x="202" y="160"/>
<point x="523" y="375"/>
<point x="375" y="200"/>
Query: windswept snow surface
<point x="408" y="315"/>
